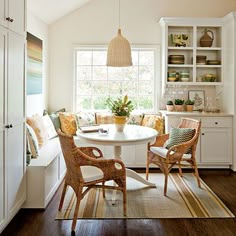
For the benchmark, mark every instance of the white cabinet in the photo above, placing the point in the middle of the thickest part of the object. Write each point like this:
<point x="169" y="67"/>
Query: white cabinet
<point x="215" y="141"/>
<point x="12" y="15"/>
<point x="12" y="125"/>
<point x="181" y="58"/>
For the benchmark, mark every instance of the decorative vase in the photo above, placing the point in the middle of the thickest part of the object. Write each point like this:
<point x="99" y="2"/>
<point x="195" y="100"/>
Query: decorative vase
<point x="120" y="122"/>
<point x="206" y="40"/>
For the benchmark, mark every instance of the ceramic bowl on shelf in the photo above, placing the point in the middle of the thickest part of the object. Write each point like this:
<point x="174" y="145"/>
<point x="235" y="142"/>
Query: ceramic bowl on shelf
<point x="184" y="79"/>
<point x="209" y="78"/>
<point x="172" y="79"/>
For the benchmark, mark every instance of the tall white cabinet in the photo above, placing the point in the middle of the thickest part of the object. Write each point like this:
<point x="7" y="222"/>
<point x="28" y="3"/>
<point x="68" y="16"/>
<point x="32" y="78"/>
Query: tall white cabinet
<point x="12" y="109"/>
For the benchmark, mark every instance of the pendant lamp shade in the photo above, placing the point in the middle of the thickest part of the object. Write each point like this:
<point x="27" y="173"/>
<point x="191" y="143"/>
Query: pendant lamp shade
<point x="119" y="52"/>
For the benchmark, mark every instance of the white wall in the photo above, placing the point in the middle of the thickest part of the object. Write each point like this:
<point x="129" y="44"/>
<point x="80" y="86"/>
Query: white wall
<point x="97" y="22"/>
<point x="36" y="103"/>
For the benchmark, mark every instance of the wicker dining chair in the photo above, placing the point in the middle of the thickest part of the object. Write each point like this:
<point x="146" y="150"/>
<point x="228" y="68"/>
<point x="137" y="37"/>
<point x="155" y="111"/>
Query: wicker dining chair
<point x="182" y="153"/>
<point x="78" y="162"/>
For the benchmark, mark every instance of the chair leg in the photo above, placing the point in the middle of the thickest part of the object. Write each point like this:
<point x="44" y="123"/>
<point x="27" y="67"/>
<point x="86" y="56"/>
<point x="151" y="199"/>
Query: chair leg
<point x="197" y="175"/>
<point x="103" y="190"/>
<point x="165" y="185"/>
<point x="147" y="169"/>
<point x="180" y="170"/>
<point x="63" y="196"/>
<point x="76" y="209"/>
<point x="124" y="199"/>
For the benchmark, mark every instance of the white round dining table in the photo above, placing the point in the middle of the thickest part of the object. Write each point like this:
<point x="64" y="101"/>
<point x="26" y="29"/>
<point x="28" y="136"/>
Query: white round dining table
<point x="131" y="135"/>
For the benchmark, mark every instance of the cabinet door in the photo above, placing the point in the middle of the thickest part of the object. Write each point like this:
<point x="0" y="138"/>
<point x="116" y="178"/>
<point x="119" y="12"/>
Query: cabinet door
<point x="16" y="11"/>
<point x="3" y="9"/>
<point x="216" y="145"/>
<point x="2" y="181"/>
<point x="2" y="124"/>
<point x="16" y="184"/>
<point x="16" y="84"/>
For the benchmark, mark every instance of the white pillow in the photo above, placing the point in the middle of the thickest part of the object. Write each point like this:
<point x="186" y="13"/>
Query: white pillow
<point x="85" y="118"/>
<point x="33" y="141"/>
<point x="51" y="132"/>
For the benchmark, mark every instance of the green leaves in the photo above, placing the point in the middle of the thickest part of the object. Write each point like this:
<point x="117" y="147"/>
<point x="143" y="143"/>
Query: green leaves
<point x="121" y="106"/>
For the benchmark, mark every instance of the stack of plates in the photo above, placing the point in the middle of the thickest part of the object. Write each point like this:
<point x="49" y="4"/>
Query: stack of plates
<point x="176" y="59"/>
<point x="201" y="60"/>
<point x="213" y="62"/>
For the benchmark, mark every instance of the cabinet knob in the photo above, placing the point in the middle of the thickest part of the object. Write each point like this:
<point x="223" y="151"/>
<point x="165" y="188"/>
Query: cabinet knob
<point x="203" y="134"/>
<point x="8" y="18"/>
<point x="11" y="20"/>
<point x="9" y="126"/>
<point x="216" y="123"/>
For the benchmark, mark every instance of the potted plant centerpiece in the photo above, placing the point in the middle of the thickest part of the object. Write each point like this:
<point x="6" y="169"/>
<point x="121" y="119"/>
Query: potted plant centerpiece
<point x="179" y="103"/>
<point x="121" y="108"/>
<point x="169" y="106"/>
<point x="189" y="105"/>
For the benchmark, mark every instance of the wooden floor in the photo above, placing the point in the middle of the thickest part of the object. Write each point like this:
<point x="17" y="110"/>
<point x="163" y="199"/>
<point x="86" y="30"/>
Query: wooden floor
<point x="41" y="222"/>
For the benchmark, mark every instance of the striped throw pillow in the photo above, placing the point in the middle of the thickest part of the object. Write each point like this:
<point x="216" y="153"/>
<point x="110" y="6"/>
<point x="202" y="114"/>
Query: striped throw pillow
<point x="180" y="135"/>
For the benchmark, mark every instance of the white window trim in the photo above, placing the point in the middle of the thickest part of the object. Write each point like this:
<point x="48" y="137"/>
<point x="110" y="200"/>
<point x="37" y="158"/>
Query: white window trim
<point x="157" y="72"/>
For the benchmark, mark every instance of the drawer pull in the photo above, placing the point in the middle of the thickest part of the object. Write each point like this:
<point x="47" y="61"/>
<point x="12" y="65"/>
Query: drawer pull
<point x="203" y="134"/>
<point x="216" y="123"/>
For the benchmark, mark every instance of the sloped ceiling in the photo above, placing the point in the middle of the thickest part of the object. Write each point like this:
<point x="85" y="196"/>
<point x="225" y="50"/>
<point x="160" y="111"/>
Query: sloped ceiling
<point x="50" y="11"/>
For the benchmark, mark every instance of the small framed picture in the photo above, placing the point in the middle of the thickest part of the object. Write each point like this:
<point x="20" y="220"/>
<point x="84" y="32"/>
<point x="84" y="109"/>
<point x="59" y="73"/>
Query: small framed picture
<point x="198" y="96"/>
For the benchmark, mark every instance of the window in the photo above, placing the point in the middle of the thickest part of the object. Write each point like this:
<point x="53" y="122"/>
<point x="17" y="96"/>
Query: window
<point x="95" y="82"/>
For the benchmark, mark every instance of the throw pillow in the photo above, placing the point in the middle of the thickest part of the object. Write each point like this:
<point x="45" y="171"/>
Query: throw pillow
<point x="154" y="121"/>
<point x="180" y="135"/>
<point x="36" y="122"/>
<point x="85" y="118"/>
<point x="54" y="116"/>
<point x="68" y="123"/>
<point x="135" y="119"/>
<point x="103" y="118"/>
<point x="32" y="141"/>
<point x="51" y="132"/>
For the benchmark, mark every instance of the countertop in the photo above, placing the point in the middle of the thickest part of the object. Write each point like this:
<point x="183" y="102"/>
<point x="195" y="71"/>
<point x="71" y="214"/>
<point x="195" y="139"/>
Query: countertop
<point x="195" y="113"/>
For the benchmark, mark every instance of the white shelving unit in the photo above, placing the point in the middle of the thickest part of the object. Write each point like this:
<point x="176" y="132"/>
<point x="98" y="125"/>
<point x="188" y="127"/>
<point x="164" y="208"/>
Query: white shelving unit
<point x="194" y="29"/>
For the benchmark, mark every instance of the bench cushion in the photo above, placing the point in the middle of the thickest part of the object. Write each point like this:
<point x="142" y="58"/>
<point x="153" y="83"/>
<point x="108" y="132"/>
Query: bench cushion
<point x="47" y="153"/>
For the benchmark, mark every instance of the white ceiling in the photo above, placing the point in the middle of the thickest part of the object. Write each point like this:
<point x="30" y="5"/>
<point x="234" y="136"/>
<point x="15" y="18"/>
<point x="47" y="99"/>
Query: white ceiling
<point x="51" y="10"/>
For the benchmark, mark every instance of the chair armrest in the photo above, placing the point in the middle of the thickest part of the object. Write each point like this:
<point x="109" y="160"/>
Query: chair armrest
<point x="176" y="152"/>
<point x="110" y="167"/>
<point x="92" y="152"/>
<point x="159" y="142"/>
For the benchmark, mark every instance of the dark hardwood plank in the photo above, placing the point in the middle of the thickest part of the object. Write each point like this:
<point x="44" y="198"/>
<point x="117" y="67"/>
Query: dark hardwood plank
<point x="41" y="222"/>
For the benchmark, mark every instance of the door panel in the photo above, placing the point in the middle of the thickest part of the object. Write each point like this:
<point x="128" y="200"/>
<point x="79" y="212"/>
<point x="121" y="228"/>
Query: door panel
<point x="15" y="168"/>
<point x="15" y="88"/>
<point x="17" y="14"/>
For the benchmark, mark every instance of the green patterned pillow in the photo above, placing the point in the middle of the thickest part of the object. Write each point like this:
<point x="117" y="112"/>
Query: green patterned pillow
<point x="135" y="119"/>
<point x="180" y="135"/>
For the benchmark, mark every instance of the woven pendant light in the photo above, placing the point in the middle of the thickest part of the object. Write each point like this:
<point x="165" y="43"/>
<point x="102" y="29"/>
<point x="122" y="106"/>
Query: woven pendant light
<point x="119" y="51"/>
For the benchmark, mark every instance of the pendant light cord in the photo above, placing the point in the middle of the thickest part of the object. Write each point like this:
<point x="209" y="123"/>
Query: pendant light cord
<point x="119" y="14"/>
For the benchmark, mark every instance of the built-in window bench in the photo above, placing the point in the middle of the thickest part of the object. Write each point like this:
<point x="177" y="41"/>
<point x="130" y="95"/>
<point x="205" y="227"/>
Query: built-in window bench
<point x="44" y="175"/>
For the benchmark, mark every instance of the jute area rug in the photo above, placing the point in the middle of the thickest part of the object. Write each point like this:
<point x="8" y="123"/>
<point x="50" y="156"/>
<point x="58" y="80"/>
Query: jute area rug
<point x="184" y="200"/>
